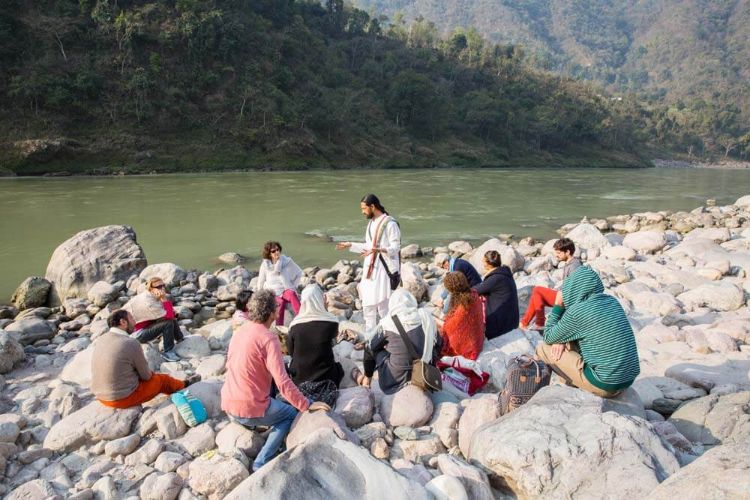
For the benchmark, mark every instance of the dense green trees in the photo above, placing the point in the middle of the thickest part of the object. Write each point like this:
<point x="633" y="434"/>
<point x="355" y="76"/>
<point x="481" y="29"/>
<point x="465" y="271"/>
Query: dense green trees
<point x="686" y="60"/>
<point x="241" y="83"/>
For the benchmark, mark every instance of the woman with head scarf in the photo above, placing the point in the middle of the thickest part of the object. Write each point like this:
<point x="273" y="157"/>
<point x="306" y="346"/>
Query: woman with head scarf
<point x="310" y="340"/>
<point x="386" y="350"/>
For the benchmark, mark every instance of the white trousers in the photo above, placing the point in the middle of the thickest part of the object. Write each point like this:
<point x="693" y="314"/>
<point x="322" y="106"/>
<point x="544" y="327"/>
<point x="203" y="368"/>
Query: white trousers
<point x="373" y="314"/>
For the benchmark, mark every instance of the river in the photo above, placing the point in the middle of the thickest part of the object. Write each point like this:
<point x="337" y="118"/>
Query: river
<point x="190" y="219"/>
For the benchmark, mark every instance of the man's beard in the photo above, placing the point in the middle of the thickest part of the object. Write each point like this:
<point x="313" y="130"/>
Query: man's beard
<point x="370" y="215"/>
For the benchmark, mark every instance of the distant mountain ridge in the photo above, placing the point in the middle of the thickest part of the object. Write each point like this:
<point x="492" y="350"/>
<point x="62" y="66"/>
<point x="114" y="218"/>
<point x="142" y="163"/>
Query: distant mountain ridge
<point x="691" y="55"/>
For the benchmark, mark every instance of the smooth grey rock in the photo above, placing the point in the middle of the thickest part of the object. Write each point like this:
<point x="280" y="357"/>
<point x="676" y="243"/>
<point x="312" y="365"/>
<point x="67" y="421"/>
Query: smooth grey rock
<point x="410" y="407"/>
<point x="32" y="490"/>
<point x="11" y="352"/>
<point x="160" y="486"/>
<point x="356" y="405"/>
<point x="146" y="454"/>
<point x="326" y="467"/>
<point x="307" y="423"/>
<point x="473" y="479"/>
<point x="30" y="330"/>
<point x="714" y="419"/>
<point x="170" y="274"/>
<point x="721" y="473"/>
<point x="89" y="425"/>
<point x="193" y="346"/>
<point x="563" y="432"/>
<point x="32" y="292"/>
<point x="108" y="253"/>
<point x="214" y="477"/>
<point x="235" y="437"/>
<point x="645" y="242"/>
<point x="198" y="440"/>
<point x="479" y="411"/>
<point x="102" y="293"/>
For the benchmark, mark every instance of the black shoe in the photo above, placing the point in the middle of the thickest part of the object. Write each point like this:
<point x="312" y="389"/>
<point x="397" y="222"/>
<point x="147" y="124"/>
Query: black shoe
<point x="192" y="379"/>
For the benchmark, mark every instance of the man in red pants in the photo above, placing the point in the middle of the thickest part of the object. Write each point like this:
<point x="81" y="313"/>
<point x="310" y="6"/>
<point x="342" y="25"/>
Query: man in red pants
<point x="542" y="297"/>
<point x="120" y="376"/>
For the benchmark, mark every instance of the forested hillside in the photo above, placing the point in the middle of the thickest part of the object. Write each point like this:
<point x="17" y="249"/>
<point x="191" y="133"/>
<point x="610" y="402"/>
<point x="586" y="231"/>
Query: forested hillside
<point x="127" y="85"/>
<point x="688" y="59"/>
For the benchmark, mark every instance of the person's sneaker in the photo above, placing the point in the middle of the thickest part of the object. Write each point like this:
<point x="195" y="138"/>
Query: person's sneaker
<point x="192" y="379"/>
<point x="170" y="356"/>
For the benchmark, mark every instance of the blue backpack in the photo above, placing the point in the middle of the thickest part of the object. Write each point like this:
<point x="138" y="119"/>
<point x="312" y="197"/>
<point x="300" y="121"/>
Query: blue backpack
<point x="191" y="409"/>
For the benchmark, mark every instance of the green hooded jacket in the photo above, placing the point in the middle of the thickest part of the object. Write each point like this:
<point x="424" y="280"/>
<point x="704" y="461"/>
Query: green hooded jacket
<point x="598" y="323"/>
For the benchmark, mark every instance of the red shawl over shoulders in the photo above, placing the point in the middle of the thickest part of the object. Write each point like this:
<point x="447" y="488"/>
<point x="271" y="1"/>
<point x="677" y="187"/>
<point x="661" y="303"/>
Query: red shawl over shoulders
<point x="463" y="331"/>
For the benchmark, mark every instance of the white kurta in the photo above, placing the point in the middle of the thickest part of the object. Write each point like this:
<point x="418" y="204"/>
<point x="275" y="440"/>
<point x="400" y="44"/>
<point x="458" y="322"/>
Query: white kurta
<point x="378" y="288"/>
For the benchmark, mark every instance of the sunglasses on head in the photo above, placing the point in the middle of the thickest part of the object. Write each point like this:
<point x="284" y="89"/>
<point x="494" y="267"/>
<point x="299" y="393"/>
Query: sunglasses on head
<point x="158" y="287"/>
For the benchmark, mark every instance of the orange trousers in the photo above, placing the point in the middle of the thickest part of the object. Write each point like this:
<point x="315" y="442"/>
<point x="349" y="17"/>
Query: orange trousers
<point x="159" y="383"/>
<point x="541" y="297"/>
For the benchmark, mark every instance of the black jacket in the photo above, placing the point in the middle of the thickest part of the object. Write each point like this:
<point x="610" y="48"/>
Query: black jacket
<point x="311" y="347"/>
<point x="472" y="276"/>
<point x="499" y="288"/>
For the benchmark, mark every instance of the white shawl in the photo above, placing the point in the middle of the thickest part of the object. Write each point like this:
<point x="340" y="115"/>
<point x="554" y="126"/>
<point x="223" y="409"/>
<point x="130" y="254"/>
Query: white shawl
<point x="404" y="305"/>
<point x="313" y="307"/>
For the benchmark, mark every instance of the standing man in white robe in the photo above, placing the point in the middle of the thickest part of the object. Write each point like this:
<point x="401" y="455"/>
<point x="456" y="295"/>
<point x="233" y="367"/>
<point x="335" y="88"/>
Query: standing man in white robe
<point x="383" y="237"/>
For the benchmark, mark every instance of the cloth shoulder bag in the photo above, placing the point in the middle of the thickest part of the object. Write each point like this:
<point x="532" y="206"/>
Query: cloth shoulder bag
<point x="426" y="376"/>
<point x="394" y="277"/>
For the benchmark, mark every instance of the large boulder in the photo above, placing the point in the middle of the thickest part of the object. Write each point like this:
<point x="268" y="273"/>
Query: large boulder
<point x="719" y="296"/>
<point x="78" y="369"/>
<point x="645" y="241"/>
<point x="29" y="330"/>
<point x="32" y="292"/>
<point x="721" y="473"/>
<point x="474" y="479"/>
<point x="307" y="423"/>
<point x="215" y="476"/>
<point x="89" y="425"/>
<point x="479" y="411"/>
<point x="170" y="274"/>
<point x="11" y="352"/>
<point x="509" y="256"/>
<point x="326" y="467"/>
<point x="108" y="253"/>
<point x="587" y="237"/>
<point x="409" y="407"/>
<point x="356" y="405"/>
<point x="713" y="419"/>
<point x="412" y="280"/>
<point x="102" y="293"/>
<point x="564" y="443"/>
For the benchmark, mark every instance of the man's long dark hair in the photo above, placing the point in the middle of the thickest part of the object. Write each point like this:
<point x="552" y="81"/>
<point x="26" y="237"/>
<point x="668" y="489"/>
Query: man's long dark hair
<point x="372" y="200"/>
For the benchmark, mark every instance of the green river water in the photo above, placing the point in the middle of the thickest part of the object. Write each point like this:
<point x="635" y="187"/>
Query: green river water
<point x="191" y="219"/>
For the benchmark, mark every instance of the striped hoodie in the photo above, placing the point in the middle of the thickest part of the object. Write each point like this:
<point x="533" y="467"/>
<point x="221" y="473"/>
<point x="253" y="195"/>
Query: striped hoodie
<point x="599" y="325"/>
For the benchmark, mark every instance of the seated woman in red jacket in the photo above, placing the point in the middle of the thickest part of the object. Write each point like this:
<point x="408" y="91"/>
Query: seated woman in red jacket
<point x="463" y="327"/>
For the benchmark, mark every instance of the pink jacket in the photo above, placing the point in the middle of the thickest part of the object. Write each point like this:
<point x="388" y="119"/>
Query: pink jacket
<point x="254" y="359"/>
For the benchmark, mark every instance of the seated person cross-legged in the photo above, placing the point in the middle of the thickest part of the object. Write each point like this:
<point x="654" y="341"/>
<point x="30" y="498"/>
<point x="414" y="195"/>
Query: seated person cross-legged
<point x="120" y="376"/>
<point x="386" y="350"/>
<point x="155" y="317"/>
<point x="463" y="328"/>
<point x="310" y="340"/>
<point x="588" y="340"/>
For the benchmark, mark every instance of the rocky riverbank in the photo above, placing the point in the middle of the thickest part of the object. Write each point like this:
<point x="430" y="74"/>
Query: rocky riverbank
<point x="683" y="278"/>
